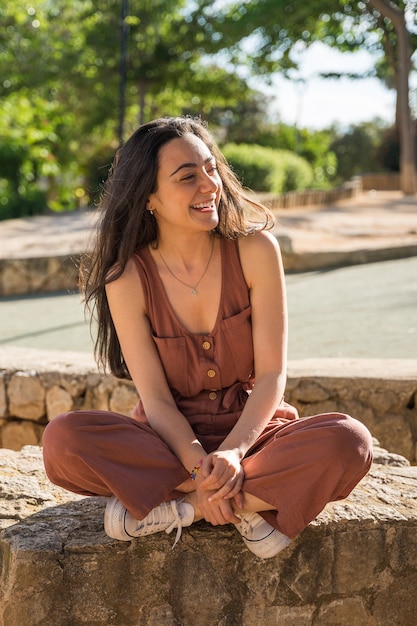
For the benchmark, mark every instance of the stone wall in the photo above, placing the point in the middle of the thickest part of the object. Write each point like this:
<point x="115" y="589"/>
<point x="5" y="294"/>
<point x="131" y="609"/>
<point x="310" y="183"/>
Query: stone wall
<point x="35" y="386"/>
<point x="382" y="393"/>
<point x="38" y="275"/>
<point x="355" y="565"/>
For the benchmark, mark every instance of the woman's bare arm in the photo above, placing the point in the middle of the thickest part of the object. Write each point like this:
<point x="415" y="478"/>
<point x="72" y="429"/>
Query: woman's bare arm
<point x="126" y="302"/>
<point x="262" y="266"/>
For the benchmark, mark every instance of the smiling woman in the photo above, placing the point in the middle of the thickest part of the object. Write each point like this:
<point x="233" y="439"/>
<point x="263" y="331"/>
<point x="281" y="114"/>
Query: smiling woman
<point x="190" y="296"/>
<point x="188" y="191"/>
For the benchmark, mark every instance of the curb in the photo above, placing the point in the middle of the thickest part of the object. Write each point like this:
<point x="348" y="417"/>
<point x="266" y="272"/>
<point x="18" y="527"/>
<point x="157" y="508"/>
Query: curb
<point x="48" y="274"/>
<point x="309" y="261"/>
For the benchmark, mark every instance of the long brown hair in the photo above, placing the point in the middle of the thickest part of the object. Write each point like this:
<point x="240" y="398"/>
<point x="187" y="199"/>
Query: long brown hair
<point x="125" y="225"/>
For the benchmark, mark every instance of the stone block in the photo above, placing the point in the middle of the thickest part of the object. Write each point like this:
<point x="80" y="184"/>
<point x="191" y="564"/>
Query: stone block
<point x="13" y="278"/>
<point x="123" y="399"/>
<point x="309" y="391"/>
<point x="17" y="434"/>
<point x="398" y="604"/>
<point x="26" y="396"/>
<point x="354" y="565"/>
<point x="381" y="400"/>
<point x="367" y="558"/>
<point x="3" y="397"/>
<point x="58" y="401"/>
<point x="347" y="612"/>
<point x="38" y="274"/>
<point x="393" y="432"/>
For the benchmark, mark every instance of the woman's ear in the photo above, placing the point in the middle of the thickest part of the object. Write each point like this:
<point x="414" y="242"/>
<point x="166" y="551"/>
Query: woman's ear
<point x="149" y="207"/>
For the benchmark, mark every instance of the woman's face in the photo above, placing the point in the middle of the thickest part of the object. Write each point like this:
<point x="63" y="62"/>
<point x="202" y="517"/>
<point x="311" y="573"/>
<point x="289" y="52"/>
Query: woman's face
<point x="188" y="186"/>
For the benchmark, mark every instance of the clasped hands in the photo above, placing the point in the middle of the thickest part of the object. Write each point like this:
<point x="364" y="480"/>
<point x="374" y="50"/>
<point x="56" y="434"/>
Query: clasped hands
<point x="218" y="487"/>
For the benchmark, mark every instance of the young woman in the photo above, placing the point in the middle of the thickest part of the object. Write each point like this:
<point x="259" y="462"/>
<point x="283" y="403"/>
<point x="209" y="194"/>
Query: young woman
<point x="189" y="292"/>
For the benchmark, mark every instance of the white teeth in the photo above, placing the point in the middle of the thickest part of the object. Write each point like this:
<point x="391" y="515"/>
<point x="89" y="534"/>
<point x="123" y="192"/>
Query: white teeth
<point x="202" y="205"/>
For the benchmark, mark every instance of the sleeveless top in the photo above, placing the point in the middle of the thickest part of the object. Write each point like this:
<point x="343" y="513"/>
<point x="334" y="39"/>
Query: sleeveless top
<point x="198" y="366"/>
<point x="209" y="375"/>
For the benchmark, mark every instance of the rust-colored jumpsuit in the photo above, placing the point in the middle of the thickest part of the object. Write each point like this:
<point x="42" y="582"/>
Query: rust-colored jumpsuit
<point x="298" y="465"/>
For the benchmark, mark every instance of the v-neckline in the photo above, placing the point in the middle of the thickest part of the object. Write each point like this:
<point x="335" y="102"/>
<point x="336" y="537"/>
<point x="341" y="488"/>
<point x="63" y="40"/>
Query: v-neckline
<point x="183" y="328"/>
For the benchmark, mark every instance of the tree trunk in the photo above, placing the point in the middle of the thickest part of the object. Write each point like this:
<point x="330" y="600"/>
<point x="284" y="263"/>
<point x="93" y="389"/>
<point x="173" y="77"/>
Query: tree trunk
<point x="408" y="178"/>
<point x="143" y="88"/>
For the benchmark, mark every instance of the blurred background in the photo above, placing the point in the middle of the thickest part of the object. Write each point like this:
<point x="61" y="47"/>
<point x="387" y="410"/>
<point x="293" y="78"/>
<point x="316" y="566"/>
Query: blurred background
<point x="316" y="85"/>
<point x="300" y="96"/>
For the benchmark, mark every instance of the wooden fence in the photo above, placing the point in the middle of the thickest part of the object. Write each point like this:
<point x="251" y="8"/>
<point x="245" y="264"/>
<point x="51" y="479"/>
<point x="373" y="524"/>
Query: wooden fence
<point x="381" y="182"/>
<point x="321" y="197"/>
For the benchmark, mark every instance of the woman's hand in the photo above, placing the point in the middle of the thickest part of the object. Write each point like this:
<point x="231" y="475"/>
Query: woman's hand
<point x="222" y="474"/>
<point x="216" y="512"/>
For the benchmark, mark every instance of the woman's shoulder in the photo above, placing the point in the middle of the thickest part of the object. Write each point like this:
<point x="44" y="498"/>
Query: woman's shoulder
<point x="259" y="253"/>
<point x="258" y="242"/>
<point x="125" y="282"/>
<point x="114" y="274"/>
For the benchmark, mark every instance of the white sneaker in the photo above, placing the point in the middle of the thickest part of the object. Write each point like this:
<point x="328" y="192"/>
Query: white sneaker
<point x="260" y="537"/>
<point x="120" y="524"/>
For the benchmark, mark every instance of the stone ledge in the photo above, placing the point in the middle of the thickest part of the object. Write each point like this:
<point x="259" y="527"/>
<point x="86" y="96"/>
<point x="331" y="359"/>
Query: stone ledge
<point x="38" y="275"/>
<point x="37" y="385"/>
<point x="355" y="564"/>
<point x="307" y="261"/>
<point x="55" y="273"/>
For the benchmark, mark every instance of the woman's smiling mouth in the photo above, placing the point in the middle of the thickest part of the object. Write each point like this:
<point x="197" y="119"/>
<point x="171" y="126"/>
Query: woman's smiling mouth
<point x="204" y="206"/>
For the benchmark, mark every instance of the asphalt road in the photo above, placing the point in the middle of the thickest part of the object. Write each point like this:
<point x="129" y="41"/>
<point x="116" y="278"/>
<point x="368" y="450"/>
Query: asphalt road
<point x="362" y="311"/>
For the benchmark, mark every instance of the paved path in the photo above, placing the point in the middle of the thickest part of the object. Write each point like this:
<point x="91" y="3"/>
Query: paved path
<point x="373" y="220"/>
<point x="359" y="311"/>
<point x="363" y="311"/>
<point x="383" y="219"/>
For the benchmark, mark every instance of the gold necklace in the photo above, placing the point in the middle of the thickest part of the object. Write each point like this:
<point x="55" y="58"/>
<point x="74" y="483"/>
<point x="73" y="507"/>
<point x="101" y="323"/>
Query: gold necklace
<point x="194" y="291"/>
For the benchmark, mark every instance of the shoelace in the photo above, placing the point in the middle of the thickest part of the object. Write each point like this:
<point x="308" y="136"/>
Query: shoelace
<point x="160" y="516"/>
<point x="245" y="527"/>
<point x="175" y="523"/>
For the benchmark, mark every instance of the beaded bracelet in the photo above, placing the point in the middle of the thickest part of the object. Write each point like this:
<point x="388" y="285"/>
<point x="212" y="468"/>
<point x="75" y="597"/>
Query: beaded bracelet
<point x="194" y="471"/>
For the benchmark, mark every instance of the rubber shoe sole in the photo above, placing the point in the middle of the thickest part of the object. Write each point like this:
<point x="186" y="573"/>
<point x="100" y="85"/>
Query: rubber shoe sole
<point x="115" y="520"/>
<point x="260" y="537"/>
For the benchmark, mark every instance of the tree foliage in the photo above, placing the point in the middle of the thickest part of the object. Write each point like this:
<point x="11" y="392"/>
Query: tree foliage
<point x="263" y="33"/>
<point x="61" y="96"/>
<point x="265" y="169"/>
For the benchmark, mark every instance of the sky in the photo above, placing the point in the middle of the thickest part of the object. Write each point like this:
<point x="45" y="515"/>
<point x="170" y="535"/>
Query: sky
<point x="318" y="103"/>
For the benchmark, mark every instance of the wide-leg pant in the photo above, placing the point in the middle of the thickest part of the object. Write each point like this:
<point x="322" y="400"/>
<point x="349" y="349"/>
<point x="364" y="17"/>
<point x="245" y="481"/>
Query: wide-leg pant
<point x="297" y="466"/>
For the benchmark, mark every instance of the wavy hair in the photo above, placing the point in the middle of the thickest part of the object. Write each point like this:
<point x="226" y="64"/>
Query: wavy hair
<point x="125" y="224"/>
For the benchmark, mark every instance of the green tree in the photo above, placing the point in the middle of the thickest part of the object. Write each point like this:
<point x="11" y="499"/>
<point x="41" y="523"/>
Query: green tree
<point x="357" y="149"/>
<point x="401" y="65"/>
<point x="262" y="33"/>
<point x="63" y="58"/>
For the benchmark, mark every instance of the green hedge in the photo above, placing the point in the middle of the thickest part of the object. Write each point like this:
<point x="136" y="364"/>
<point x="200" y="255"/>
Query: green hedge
<point x="18" y="197"/>
<point x="13" y="204"/>
<point x="268" y="170"/>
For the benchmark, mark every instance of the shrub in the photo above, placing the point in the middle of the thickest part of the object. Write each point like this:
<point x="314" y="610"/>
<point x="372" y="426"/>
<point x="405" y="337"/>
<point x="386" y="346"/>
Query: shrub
<point x="266" y="169"/>
<point x="298" y="173"/>
<point x="13" y="204"/>
<point x="18" y="197"/>
<point x="96" y="170"/>
<point x="255" y="166"/>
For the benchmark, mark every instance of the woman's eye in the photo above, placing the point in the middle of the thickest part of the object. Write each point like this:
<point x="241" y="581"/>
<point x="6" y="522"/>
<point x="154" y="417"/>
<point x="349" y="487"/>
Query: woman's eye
<point x="188" y="177"/>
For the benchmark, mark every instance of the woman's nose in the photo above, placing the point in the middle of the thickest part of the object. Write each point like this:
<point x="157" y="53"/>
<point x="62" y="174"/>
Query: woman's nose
<point x="210" y="182"/>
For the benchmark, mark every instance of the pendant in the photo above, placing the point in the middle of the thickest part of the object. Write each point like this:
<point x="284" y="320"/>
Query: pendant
<point x="194" y="291"/>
